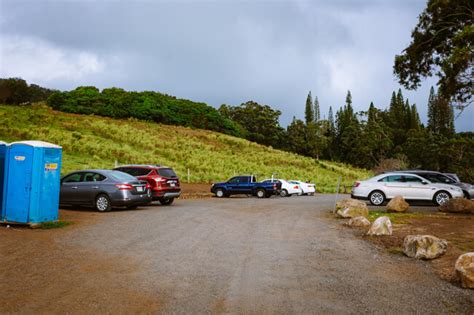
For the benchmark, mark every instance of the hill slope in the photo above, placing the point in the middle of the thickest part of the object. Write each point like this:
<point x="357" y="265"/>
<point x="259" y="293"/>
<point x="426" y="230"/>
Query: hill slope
<point x="97" y="142"/>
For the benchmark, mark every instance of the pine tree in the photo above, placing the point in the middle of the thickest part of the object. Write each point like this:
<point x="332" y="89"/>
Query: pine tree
<point x="415" y="122"/>
<point x="350" y="110"/>
<point x="331" y="121"/>
<point x="397" y="110"/>
<point x="371" y="114"/>
<point x="309" y="113"/>
<point x="432" y="113"/>
<point x="317" y="112"/>
<point x="407" y="115"/>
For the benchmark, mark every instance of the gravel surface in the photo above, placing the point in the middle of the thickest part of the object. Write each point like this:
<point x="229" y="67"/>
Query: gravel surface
<point x="234" y="255"/>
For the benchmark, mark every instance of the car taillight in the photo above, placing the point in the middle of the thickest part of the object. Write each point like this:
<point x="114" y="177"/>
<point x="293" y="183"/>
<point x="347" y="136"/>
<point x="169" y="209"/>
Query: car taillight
<point x="124" y="186"/>
<point x="274" y="186"/>
<point x="296" y="187"/>
<point x="356" y="184"/>
<point x="148" y="186"/>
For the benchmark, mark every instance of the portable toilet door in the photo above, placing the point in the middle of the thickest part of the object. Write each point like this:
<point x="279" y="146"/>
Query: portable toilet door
<point x="3" y="153"/>
<point x="32" y="182"/>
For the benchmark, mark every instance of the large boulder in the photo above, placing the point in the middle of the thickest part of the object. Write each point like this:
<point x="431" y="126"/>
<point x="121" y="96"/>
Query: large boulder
<point x="458" y="205"/>
<point x="358" y="222"/>
<point x="351" y="208"/>
<point x="424" y="246"/>
<point x="465" y="270"/>
<point x="397" y="204"/>
<point x="381" y="226"/>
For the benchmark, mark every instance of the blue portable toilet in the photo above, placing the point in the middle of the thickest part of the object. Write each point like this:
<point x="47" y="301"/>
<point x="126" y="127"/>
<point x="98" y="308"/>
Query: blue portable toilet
<point x="32" y="182"/>
<point x="3" y="153"/>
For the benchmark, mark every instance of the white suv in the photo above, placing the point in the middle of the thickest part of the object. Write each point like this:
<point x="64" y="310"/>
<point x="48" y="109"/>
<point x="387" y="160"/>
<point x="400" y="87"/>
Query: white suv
<point x="382" y="187"/>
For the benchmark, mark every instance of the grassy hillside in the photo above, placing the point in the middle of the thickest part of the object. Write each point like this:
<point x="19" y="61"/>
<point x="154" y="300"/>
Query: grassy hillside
<point x="97" y="142"/>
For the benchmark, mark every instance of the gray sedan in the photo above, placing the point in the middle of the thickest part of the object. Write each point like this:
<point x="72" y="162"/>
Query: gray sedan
<point x="103" y="189"/>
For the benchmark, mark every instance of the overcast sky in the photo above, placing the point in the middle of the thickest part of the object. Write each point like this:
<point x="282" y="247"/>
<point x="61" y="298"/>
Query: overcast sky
<point x="272" y="52"/>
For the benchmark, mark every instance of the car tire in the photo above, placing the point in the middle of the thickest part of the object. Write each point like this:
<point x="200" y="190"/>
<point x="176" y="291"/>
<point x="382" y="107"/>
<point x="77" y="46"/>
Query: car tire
<point x="166" y="202"/>
<point x="466" y="195"/>
<point x="261" y="193"/>
<point x="441" y="197"/>
<point x="220" y="193"/>
<point x="132" y="207"/>
<point x="102" y="203"/>
<point x="284" y="193"/>
<point x="377" y="198"/>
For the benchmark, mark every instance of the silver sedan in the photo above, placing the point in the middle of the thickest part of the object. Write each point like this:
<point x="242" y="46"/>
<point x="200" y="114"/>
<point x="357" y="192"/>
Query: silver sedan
<point x="104" y="189"/>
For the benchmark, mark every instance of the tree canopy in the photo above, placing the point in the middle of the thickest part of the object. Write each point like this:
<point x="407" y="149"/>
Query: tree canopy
<point x="442" y="45"/>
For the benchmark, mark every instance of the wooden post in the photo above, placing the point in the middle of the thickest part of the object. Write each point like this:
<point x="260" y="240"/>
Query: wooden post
<point x="337" y="192"/>
<point x="116" y="164"/>
<point x="189" y="175"/>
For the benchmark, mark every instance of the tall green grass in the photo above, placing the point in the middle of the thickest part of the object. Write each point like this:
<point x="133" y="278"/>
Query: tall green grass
<point x="96" y="142"/>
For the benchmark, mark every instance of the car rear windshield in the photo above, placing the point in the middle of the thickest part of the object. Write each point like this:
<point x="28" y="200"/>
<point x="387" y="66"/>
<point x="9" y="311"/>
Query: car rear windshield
<point x="135" y="171"/>
<point x="167" y="172"/>
<point x="123" y="177"/>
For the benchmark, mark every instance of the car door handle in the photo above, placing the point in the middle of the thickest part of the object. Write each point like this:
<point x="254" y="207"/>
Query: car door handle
<point x="74" y="187"/>
<point x="95" y="187"/>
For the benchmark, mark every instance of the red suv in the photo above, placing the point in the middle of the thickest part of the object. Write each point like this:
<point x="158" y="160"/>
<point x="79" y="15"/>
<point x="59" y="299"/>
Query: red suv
<point x="163" y="180"/>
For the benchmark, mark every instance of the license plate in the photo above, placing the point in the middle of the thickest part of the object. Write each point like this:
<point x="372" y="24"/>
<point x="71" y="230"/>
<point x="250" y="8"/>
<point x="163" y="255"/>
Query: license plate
<point x="140" y="188"/>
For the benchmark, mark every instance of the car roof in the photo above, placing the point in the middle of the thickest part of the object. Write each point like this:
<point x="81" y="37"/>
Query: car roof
<point x="397" y="173"/>
<point x="143" y="166"/>
<point x="100" y="171"/>
<point x="416" y="171"/>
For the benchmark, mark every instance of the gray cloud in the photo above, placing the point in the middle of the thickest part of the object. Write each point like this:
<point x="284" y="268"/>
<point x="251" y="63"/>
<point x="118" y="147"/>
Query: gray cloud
<point x="272" y="52"/>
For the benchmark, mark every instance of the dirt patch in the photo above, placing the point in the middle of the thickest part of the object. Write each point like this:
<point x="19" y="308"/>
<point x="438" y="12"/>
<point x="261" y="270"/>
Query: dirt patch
<point x="36" y="269"/>
<point x="195" y="191"/>
<point x="458" y="230"/>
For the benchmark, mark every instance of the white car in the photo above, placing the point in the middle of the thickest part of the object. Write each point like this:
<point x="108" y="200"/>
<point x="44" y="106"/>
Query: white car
<point x="382" y="187"/>
<point x="287" y="189"/>
<point x="306" y="188"/>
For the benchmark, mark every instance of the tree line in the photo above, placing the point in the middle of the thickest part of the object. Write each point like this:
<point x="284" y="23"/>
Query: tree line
<point x="387" y="139"/>
<point x="376" y="139"/>
<point x="17" y="91"/>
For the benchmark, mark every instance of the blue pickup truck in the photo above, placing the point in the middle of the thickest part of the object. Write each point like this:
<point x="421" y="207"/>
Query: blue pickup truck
<point x="245" y="185"/>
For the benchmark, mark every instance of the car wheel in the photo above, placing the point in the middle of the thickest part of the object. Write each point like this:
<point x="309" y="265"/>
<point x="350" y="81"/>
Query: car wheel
<point x="102" y="203"/>
<point x="220" y="193"/>
<point x="377" y="198"/>
<point x="284" y="193"/>
<point x="166" y="202"/>
<point x="132" y="207"/>
<point x="441" y="197"/>
<point x="466" y="195"/>
<point x="261" y="193"/>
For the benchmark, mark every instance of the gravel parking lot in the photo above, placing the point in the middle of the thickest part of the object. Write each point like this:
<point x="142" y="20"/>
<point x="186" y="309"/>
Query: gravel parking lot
<point x="235" y="255"/>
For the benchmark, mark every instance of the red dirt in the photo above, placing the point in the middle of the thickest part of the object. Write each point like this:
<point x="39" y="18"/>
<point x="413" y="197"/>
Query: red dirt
<point x="78" y="280"/>
<point x="193" y="191"/>
<point x="458" y="230"/>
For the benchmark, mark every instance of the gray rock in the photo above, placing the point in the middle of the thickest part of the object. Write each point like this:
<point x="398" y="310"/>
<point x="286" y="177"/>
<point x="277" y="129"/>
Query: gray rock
<point x="424" y="246"/>
<point x="381" y="226"/>
<point x="465" y="270"/>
